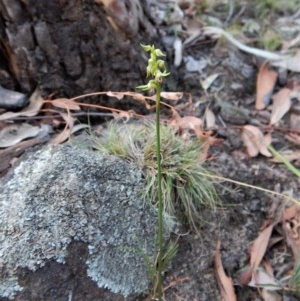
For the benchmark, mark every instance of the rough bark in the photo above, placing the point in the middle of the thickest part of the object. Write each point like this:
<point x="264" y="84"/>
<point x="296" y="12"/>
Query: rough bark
<point x="71" y="47"/>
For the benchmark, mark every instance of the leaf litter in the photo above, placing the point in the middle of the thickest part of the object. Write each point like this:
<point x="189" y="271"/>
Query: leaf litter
<point x="255" y="141"/>
<point x="253" y="135"/>
<point x="265" y="84"/>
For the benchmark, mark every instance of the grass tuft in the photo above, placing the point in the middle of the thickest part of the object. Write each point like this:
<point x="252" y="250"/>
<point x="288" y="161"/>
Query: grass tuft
<point x="185" y="189"/>
<point x="295" y="279"/>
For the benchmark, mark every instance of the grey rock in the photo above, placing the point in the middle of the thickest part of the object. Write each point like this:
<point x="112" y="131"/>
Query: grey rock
<point x="12" y="100"/>
<point x="62" y="194"/>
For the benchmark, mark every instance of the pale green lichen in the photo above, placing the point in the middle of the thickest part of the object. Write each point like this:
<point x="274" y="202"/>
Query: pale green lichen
<point x="64" y="194"/>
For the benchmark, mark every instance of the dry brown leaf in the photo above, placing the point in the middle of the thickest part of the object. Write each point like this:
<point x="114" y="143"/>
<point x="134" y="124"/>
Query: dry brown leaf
<point x="177" y="52"/>
<point x="194" y="30"/>
<point x="289" y="62"/>
<point x="295" y="121"/>
<point x="290" y="224"/>
<point x="225" y="283"/>
<point x="259" y="247"/>
<point x="288" y="155"/>
<point x="68" y="119"/>
<point x="35" y="104"/>
<point x="268" y="138"/>
<point x="13" y="134"/>
<point x="118" y="95"/>
<point x="286" y="45"/>
<point x="122" y="115"/>
<point x="210" y="119"/>
<point x="294" y="138"/>
<point x="207" y="140"/>
<point x="264" y="86"/>
<point x="264" y="278"/>
<point x="172" y="95"/>
<point x="255" y="141"/>
<point x="295" y="93"/>
<point x="205" y="84"/>
<point x="281" y="104"/>
<point x="257" y="251"/>
<point x="189" y="122"/>
<point x="216" y="33"/>
<point x="245" y="276"/>
<point x="63" y="136"/>
<point x="261" y="278"/>
<point x="140" y="98"/>
<point x="105" y="2"/>
<point x="66" y="103"/>
<point x="290" y="213"/>
<point x="175" y="116"/>
<point x="267" y="265"/>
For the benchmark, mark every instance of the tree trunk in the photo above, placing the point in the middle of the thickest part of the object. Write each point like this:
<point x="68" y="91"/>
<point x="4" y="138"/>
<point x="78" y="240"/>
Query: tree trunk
<point x="71" y="47"/>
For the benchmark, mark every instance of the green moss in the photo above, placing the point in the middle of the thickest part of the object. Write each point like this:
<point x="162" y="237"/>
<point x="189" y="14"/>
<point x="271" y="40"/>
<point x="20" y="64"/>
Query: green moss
<point x="270" y="40"/>
<point x="279" y="6"/>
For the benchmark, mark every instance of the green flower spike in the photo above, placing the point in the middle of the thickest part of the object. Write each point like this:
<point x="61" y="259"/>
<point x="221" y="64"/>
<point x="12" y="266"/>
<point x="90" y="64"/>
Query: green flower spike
<point x="157" y="70"/>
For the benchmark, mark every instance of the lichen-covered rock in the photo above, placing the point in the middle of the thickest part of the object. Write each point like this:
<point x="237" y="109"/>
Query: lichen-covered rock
<point x="63" y="194"/>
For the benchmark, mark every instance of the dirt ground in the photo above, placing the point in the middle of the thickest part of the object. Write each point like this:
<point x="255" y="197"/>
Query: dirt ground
<point x="245" y="210"/>
<point x="231" y="98"/>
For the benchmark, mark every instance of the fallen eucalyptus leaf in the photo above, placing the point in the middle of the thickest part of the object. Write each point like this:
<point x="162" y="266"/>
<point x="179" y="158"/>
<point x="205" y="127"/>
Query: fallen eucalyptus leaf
<point x="281" y="104"/>
<point x="35" y="104"/>
<point x="13" y="134"/>
<point x="255" y="141"/>
<point x="264" y="86"/>
<point x="224" y="282"/>
<point x="177" y="52"/>
<point x="209" y="81"/>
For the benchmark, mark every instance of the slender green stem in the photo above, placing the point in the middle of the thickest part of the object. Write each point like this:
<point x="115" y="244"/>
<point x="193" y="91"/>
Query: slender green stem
<point x="159" y="193"/>
<point x="157" y="69"/>
<point x="290" y="166"/>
